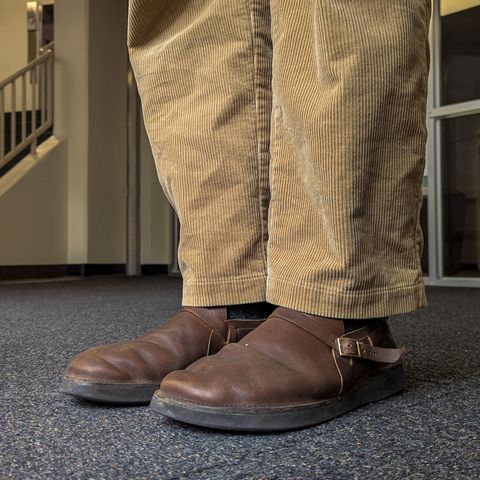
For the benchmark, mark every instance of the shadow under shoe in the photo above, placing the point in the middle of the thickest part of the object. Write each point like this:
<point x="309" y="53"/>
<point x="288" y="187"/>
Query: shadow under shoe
<point x="129" y="372"/>
<point x="294" y="371"/>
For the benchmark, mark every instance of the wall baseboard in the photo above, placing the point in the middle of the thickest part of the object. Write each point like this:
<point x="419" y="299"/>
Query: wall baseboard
<point x="154" y="269"/>
<point x="21" y="272"/>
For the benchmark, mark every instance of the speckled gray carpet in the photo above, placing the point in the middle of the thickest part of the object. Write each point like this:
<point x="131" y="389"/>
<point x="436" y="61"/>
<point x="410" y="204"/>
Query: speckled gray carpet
<point x="429" y="432"/>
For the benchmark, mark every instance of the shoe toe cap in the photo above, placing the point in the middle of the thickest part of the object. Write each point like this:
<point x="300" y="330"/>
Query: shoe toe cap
<point x="187" y="386"/>
<point x="96" y="366"/>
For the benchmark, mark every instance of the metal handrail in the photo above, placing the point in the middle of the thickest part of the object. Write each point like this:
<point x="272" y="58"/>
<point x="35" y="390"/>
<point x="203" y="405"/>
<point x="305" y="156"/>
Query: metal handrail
<point x="32" y="85"/>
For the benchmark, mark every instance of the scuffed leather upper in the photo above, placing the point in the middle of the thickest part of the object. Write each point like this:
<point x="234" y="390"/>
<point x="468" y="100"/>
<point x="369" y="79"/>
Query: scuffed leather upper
<point x="189" y="335"/>
<point x="292" y="358"/>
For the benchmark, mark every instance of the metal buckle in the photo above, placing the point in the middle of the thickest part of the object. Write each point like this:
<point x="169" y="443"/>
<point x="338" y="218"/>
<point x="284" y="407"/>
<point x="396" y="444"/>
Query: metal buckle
<point x="356" y="354"/>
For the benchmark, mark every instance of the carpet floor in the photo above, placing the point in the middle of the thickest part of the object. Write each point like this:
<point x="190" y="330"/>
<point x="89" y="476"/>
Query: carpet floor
<point x="429" y="432"/>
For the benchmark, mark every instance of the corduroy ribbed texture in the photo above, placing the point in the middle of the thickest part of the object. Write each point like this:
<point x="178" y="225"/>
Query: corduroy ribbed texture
<point x="320" y="214"/>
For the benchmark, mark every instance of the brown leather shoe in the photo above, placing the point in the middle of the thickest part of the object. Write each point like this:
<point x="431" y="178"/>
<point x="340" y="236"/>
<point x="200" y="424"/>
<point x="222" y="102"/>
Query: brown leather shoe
<point x="130" y="372"/>
<point x="295" y="370"/>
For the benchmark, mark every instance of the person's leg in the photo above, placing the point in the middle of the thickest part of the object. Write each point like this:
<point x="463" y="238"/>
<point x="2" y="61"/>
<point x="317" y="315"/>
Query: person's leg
<point x="348" y="146"/>
<point x="203" y="69"/>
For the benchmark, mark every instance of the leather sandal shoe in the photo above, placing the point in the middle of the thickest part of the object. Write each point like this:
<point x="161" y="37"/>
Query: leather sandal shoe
<point x="293" y="371"/>
<point x="130" y="372"/>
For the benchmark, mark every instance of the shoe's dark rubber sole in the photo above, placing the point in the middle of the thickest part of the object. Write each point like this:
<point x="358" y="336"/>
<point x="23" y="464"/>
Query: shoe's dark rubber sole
<point x="127" y="394"/>
<point x="269" y="419"/>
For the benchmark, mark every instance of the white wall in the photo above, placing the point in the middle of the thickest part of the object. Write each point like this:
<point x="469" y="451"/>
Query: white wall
<point x="33" y="195"/>
<point x="86" y="193"/>
<point x="91" y="73"/>
<point x="13" y="43"/>
<point x="33" y="208"/>
<point x="91" y="58"/>
<point x="13" y="36"/>
<point x="71" y="115"/>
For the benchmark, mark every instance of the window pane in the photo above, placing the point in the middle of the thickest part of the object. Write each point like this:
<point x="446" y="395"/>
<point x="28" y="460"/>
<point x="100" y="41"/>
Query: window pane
<point x="461" y="195"/>
<point x="460" y="27"/>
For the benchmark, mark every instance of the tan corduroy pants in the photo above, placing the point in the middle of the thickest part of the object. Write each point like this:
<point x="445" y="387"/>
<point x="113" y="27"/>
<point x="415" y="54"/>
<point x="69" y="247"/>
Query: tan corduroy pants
<point x="289" y="135"/>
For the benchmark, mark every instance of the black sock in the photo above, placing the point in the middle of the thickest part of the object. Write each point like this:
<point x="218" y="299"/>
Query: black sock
<point x="252" y="311"/>
<point x="351" y="325"/>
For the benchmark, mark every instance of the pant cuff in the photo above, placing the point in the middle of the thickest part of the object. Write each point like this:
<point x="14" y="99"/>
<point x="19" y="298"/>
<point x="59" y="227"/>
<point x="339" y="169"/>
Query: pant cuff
<point x="364" y="305"/>
<point x="229" y="292"/>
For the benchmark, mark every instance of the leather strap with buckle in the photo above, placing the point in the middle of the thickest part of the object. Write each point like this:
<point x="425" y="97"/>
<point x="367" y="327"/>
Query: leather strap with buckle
<point x="346" y="345"/>
<point x="352" y="348"/>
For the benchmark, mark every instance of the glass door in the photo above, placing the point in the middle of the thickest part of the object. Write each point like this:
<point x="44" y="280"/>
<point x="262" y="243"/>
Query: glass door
<point x="453" y="154"/>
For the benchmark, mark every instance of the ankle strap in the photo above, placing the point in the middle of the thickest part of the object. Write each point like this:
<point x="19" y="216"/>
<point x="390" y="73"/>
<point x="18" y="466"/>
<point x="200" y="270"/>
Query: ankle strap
<point x="357" y="344"/>
<point x="350" y="347"/>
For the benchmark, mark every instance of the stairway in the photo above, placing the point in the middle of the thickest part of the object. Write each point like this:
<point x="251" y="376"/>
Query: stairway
<point x="8" y="143"/>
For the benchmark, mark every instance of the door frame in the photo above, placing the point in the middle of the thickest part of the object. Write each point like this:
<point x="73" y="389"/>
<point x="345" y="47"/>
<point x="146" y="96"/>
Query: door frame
<point x="435" y="114"/>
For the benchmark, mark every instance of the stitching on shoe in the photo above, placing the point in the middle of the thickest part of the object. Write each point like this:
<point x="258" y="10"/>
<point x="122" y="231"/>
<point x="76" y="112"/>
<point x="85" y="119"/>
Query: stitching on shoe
<point x="339" y="372"/>
<point x="206" y="324"/>
<point x="209" y="342"/>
